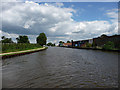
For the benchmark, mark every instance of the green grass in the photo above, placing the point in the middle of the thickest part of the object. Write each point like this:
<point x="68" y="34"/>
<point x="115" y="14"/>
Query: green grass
<point x="18" y="47"/>
<point x="24" y="51"/>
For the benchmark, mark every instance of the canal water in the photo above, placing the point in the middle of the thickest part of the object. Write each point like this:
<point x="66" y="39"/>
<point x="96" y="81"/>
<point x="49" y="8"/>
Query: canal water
<point x="59" y="67"/>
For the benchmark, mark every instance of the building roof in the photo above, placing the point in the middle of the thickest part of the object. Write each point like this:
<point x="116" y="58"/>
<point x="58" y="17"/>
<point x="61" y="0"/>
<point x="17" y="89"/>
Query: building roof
<point x="66" y="44"/>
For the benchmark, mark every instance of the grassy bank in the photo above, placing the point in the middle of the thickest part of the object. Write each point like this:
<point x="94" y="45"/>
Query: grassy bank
<point x="18" y="47"/>
<point x="18" y="53"/>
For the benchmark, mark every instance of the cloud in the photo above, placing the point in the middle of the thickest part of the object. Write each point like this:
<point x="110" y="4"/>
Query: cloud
<point x="12" y="1"/>
<point x="113" y="14"/>
<point x="54" y="19"/>
<point x="12" y="35"/>
<point x="59" y="4"/>
<point x="34" y="18"/>
<point x="32" y="38"/>
<point x="61" y="0"/>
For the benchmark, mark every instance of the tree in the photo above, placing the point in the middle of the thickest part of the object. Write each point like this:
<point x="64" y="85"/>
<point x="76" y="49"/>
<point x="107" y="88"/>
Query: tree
<point x="3" y="37"/>
<point x="22" y="39"/>
<point x="94" y="44"/>
<point x="54" y="44"/>
<point x="6" y="40"/>
<point x="61" y="42"/>
<point x="103" y="35"/>
<point x="68" y="41"/>
<point x="49" y="44"/>
<point x="41" y="39"/>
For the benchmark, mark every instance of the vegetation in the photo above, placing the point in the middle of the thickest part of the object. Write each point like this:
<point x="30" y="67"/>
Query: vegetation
<point x="88" y="45"/>
<point x="6" y="40"/>
<point x="41" y="39"/>
<point x="18" y="47"/>
<point x="68" y="41"/>
<point x="108" y="46"/>
<point x="103" y="35"/>
<point x="61" y="42"/>
<point x="22" y="39"/>
<point x="103" y="39"/>
<point x="23" y="43"/>
<point x="94" y="45"/>
<point x="50" y="44"/>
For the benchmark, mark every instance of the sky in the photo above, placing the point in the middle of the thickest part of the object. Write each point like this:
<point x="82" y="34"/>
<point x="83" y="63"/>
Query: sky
<point x="59" y="20"/>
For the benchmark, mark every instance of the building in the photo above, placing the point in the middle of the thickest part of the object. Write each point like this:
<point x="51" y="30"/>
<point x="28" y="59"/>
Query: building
<point x="67" y="44"/>
<point x="103" y="39"/>
<point x="99" y="41"/>
<point x="81" y="43"/>
<point x="90" y="41"/>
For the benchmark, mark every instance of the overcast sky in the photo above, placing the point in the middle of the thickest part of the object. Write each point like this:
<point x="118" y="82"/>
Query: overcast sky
<point x="59" y="21"/>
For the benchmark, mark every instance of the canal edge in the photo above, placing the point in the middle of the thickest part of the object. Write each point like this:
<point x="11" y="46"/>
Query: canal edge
<point x="9" y="55"/>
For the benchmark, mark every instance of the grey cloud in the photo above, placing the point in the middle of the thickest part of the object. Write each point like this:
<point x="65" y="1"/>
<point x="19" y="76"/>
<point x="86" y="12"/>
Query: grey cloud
<point x="80" y="31"/>
<point x="7" y="27"/>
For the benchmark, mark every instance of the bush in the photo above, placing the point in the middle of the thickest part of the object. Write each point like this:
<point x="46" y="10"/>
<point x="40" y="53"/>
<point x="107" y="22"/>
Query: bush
<point x="108" y="46"/>
<point x="18" y="47"/>
<point x="88" y="45"/>
<point x="50" y="44"/>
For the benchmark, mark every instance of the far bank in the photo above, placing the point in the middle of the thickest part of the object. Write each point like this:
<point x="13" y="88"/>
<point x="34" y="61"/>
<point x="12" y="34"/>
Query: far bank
<point x="92" y="49"/>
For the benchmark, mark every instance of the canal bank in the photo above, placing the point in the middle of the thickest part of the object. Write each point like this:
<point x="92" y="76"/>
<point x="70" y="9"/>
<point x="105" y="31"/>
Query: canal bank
<point x="92" y="49"/>
<point x="18" y="53"/>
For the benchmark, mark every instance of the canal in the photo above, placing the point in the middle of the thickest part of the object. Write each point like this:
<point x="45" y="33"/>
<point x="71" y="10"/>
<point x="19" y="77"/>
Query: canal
<point x="59" y="67"/>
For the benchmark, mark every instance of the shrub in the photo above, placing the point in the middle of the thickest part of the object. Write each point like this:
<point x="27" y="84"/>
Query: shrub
<point x="108" y="46"/>
<point x="88" y="45"/>
<point x="18" y="47"/>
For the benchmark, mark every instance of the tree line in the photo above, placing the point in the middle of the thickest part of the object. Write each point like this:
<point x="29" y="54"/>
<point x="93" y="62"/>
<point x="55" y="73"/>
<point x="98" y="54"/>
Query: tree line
<point x="41" y="39"/>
